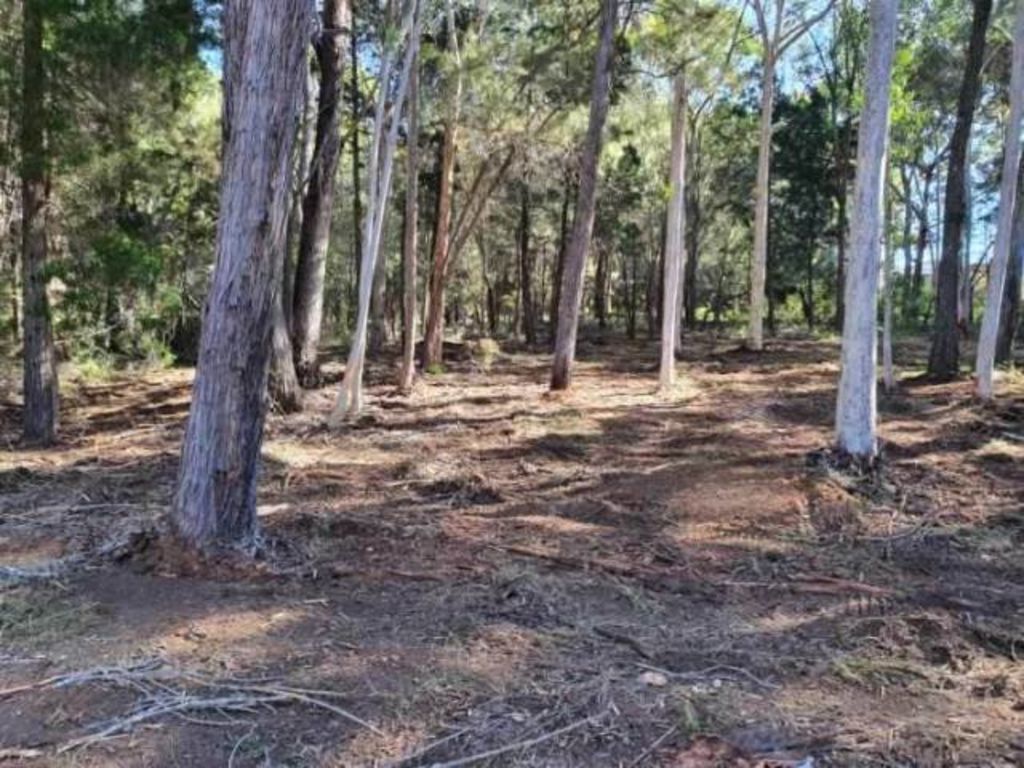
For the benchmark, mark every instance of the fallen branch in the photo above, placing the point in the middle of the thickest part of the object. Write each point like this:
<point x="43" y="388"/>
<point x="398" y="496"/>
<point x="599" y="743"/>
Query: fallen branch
<point x="526" y="744"/>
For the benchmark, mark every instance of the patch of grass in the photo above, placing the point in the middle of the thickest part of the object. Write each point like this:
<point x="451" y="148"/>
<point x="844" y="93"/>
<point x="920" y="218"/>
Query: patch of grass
<point x="41" y="616"/>
<point x="877" y="673"/>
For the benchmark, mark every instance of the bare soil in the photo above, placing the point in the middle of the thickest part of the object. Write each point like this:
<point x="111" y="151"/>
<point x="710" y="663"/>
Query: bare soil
<point x="606" y="578"/>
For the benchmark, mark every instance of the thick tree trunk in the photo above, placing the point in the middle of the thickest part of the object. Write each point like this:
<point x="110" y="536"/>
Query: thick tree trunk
<point x="571" y="294"/>
<point x="1008" y="192"/>
<point x="944" y="358"/>
<point x="264" y="54"/>
<point x="856" y="406"/>
<point x="318" y="204"/>
<point x="675" y="238"/>
<point x="42" y="403"/>
<point x="410" y="234"/>
<point x="759" y="260"/>
<point x="526" y="268"/>
<point x="1009" y="316"/>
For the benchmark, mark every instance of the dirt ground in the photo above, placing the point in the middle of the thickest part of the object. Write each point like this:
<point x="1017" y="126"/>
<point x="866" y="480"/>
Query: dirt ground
<point x="605" y="578"/>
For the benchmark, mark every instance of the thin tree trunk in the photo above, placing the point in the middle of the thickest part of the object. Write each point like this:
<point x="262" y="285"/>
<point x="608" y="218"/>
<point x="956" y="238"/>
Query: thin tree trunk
<point x="283" y="385"/>
<point x="357" y="159"/>
<point x="42" y="403"/>
<point x="378" y="298"/>
<point x="1004" y="233"/>
<point x="888" y="273"/>
<point x="559" y="271"/>
<point x="410" y="236"/>
<point x="526" y="268"/>
<point x="571" y="294"/>
<point x="759" y="261"/>
<point x="381" y="158"/>
<point x="433" y="339"/>
<point x="856" y="407"/>
<point x="1010" y="314"/>
<point x="675" y="240"/>
<point x="944" y="358"/>
<point x="264" y="49"/>
<point x="318" y="204"/>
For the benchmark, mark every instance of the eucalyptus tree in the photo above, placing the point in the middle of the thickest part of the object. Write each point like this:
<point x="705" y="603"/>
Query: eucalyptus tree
<point x="575" y="259"/>
<point x="410" y="234"/>
<point x="318" y="202"/>
<point x="1008" y="193"/>
<point x="944" y="357"/>
<point x="400" y="42"/>
<point x="40" y="389"/>
<point x="856" y="405"/>
<point x="264" y="57"/>
<point x="780" y="23"/>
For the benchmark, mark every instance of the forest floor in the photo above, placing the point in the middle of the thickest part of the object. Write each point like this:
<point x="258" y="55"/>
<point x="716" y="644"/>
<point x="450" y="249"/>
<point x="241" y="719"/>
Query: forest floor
<point x="603" y="578"/>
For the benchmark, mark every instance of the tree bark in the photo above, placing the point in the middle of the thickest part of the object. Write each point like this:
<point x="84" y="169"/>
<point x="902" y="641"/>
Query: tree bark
<point x="575" y="263"/>
<point x="386" y="121"/>
<point x="526" y="267"/>
<point x="988" y="338"/>
<point x="42" y="402"/>
<point x="410" y="235"/>
<point x="264" y="51"/>
<point x="759" y="261"/>
<point x="675" y="238"/>
<point x="856" y="407"/>
<point x="1009" y="318"/>
<point x="318" y="203"/>
<point x="559" y="271"/>
<point x="433" y="339"/>
<point x="944" y="358"/>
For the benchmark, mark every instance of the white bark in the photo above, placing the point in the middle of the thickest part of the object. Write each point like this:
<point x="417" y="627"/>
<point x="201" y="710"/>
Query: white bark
<point x="778" y="30"/>
<point x="380" y="166"/>
<point x="675" y="246"/>
<point x="759" y="261"/>
<point x="856" y="407"/>
<point x="985" y="365"/>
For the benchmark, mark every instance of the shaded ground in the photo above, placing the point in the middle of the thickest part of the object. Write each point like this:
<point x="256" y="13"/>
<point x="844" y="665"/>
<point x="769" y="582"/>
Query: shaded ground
<point x="608" y="578"/>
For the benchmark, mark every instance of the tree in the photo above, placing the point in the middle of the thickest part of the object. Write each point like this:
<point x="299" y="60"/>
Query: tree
<point x="944" y="357"/>
<point x="386" y="121"/>
<point x="575" y="258"/>
<point x="433" y="339"/>
<point x="778" y="28"/>
<point x="264" y="53"/>
<point x="675" y="244"/>
<point x="410" y="235"/>
<point x="1010" y="314"/>
<point x="856" y="407"/>
<point x="1007" y="201"/>
<point x="318" y="203"/>
<point x="42" y="405"/>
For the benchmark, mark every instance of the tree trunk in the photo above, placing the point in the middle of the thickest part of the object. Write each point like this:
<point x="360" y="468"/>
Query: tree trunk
<point x="433" y="339"/>
<point x="571" y="294"/>
<point x="283" y="385"/>
<point x="378" y="298"/>
<point x="856" y="406"/>
<point x="410" y="235"/>
<point x="1004" y="231"/>
<point x="675" y="241"/>
<point x="1010" y="315"/>
<point x="888" y="273"/>
<point x="559" y="271"/>
<point x="601" y="288"/>
<point x="759" y="260"/>
<point x="526" y="265"/>
<point x="42" y="403"/>
<point x="944" y="358"/>
<point x="693" y="224"/>
<point x="318" y="204"/>
<point x="357" y="159"/>
<point x="386" y="120"/>
<point x="264" y="51"/>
